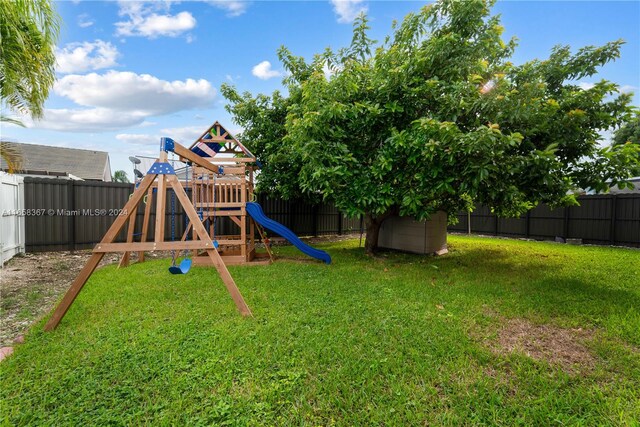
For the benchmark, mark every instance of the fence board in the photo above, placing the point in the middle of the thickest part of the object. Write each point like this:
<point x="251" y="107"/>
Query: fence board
<point x="12" y="226"/>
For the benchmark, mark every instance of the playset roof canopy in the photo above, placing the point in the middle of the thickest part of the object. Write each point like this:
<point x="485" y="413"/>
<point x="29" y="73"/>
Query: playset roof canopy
<point x="218" y="140"/>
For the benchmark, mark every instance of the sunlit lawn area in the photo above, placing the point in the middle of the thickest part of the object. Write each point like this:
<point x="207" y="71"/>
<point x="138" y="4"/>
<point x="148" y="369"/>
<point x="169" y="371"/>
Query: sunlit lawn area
<point x="397" y="340"/>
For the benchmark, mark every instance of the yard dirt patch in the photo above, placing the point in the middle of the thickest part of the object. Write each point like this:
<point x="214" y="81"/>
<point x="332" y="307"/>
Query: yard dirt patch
<point x="31" y="284"/>
<point x="558" y="346"/>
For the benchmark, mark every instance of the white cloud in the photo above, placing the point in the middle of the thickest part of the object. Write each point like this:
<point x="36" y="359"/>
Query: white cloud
<point x="145" y="21"/>
<point x="86" y="56"/>
<point x="117" y="100"/>
<point x="263" y="71"/>
<point x="348" y="10"/>
<point x="627" y="89"/>
<point x="84" y="21"/>
<point x="232" y="7"/>
<point x="621" y="89"/>
<point x="183" y="135"/>
<point x="127" y="91"/>
<point x="138" y="139"/>
<point x="86" y="120"/>
<point x="147" y="124"/>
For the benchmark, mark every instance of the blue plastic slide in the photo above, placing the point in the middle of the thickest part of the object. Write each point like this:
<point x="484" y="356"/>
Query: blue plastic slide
<point x="255" y="210"/>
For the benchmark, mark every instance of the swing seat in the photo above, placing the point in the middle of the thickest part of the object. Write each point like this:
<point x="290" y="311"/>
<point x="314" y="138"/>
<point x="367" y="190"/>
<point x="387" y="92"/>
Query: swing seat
<point x="183" y="268"/>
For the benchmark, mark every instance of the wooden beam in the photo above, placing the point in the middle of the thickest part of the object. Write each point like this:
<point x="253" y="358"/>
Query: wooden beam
<point x="236" y="220"/>
<point x="74" y="290"/>
<point x="186" y="232"/>
<point x="128" y="208"/>
<point x="219" y="204"/>
<point x="221" y="213"/>
<point x="216" y="138"/>
<point x="233" y="290"/>
<point x="161" y="199"/>
<point x="153" y="246"/>
<point x="194" y="158"/>
<point x="145" y="222"/>
<point x="124" y="261"/>
<point x="243" y="225"/>
<point x="267" y="246"/>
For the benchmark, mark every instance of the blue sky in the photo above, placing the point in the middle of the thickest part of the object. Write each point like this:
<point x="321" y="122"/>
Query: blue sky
<point x="130" y="72"/>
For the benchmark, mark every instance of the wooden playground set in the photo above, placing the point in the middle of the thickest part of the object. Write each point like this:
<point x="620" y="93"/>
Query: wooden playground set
<point x="219" y="176"/>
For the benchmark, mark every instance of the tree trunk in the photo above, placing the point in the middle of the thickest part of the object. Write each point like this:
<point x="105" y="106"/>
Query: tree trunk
<point x="372" y="227"/>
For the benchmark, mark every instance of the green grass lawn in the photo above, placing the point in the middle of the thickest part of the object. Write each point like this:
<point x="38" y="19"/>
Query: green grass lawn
<point x="397" y="340"/>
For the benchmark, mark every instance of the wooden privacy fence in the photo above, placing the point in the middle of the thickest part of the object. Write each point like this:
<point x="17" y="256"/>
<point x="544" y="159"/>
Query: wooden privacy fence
<point x="72" y="215"/>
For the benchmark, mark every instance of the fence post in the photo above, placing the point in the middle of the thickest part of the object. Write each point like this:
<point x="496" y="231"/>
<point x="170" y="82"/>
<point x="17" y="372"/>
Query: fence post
<point x="528" y="224"/>
<point x="71" y="218"/>
<point x="339" y="223"/>
<point x="565" y="226"/>
<point x="612" y="228"/>
<point x="495" y="231"/>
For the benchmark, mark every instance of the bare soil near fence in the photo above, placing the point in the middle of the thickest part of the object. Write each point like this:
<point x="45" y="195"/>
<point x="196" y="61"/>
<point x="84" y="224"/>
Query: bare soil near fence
<point x="32" y="283"/>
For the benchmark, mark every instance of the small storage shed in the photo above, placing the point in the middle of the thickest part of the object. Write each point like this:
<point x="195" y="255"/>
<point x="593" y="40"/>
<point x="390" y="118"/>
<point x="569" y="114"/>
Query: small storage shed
<point x="421" y="237"/>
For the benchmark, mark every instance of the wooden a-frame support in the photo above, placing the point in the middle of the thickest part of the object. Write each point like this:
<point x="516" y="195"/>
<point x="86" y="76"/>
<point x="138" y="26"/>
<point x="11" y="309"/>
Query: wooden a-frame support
<point x="129" y="210"/>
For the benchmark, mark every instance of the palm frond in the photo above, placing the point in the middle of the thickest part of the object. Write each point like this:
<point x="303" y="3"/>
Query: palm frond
<point x="28" y="35"/>
<point x="12" y="156"/>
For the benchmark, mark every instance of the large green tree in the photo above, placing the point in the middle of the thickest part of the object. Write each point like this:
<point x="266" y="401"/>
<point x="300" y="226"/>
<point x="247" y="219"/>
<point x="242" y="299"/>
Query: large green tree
<point x="436" y="117"/>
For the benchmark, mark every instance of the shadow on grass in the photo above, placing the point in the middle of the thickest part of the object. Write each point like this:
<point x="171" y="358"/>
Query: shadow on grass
<point x="543" y="280"/>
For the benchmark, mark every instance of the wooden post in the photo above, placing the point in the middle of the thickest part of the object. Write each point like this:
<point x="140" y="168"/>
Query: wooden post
<point x="196" y="196"/>
<point x="161" y="198"/>
<point x="243" y="218"/>
<point x="124" y="261"/>
<point x="145" y="222"/>
<point x="74" y="290"/>
<point x="264" y="241"/>
<point x="92" y="263"/>
<point x="233" y="290"/>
